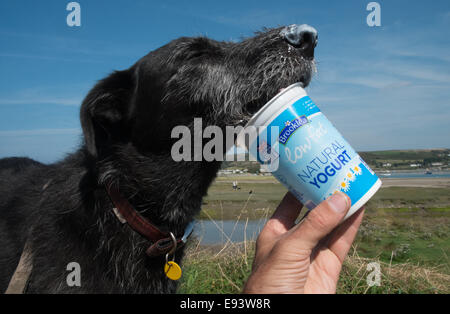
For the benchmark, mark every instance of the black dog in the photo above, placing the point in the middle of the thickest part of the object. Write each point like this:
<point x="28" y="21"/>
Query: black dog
<point x="63" y="210"/>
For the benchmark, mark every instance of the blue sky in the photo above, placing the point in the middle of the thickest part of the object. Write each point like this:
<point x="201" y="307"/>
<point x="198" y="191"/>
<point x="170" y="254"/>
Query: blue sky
<point x="384" y="87"/>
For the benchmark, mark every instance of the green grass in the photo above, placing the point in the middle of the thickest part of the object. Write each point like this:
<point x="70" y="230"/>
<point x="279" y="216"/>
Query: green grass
<point x="222" y="202"/>
<point x="411" y="196"/>
<point x="259" y="198"/>
<point x="210" y="270"/>
<point x="416" y="235"/>
<point x="400" y="278"/>
<point x="225" y="270"/>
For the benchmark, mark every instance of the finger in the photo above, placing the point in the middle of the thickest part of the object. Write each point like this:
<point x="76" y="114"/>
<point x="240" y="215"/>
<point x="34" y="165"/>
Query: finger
<point x="284" y="216"/>
<point x="342" y="238"/>
<point x="330" y="256"/>
<point x="320" y="222"/>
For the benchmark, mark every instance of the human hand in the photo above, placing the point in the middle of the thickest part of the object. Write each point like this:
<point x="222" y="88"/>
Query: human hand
<point x="307" y="257"/>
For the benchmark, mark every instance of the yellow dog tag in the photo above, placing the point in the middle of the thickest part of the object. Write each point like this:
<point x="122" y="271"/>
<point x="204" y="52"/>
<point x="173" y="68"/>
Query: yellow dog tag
<point x="172" y="270"/>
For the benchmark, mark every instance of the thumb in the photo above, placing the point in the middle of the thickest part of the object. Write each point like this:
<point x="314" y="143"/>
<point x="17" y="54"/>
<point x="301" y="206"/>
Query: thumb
<point x="320" y="222"/>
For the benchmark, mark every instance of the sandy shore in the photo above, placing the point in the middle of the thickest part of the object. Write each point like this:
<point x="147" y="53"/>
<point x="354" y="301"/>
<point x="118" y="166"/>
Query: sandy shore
<point x="417" y="182"/>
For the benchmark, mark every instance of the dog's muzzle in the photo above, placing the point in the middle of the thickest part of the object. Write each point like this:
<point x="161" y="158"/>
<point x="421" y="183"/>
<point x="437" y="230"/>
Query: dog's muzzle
<point x="303" y="37"/>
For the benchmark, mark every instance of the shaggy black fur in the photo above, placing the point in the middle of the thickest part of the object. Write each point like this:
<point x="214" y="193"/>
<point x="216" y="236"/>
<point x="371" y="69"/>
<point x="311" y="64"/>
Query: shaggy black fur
<point x="127" y="118"/>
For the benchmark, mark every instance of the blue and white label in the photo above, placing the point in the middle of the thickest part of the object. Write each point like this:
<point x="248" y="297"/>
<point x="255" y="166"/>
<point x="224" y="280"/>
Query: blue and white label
<point x="313" y="159"/>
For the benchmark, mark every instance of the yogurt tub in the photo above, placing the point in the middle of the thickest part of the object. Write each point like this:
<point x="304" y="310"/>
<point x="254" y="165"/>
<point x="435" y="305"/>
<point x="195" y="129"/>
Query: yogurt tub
<point x="305" y="152"/>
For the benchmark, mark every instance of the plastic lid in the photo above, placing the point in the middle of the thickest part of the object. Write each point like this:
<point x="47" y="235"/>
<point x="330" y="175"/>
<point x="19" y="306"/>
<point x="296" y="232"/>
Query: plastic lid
<point x="282" y="100"/>
<point x="271" y="110"/>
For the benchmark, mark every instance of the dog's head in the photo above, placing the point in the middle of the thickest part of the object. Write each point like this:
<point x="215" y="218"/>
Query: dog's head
<point x="221" y="82"/>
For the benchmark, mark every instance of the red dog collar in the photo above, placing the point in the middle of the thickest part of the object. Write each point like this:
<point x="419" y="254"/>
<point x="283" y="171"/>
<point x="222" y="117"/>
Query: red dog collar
<point x="162" y="242"/>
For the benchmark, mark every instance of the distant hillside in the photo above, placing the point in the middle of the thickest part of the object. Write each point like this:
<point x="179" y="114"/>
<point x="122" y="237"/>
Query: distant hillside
<point x="406" y="157"/>
<point x="395" y="159"/>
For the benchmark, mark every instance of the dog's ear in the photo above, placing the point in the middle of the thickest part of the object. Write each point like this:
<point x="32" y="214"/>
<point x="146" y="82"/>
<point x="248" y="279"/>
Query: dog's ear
<point x="104" y="112"/>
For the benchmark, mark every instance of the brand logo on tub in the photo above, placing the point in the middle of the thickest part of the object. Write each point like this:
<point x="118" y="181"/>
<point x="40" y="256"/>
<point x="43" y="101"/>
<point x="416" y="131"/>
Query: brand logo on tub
<point x="291" y="127"/>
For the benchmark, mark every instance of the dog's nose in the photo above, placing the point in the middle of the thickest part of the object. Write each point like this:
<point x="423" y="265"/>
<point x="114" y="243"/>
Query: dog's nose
<point x="302" y="36"/>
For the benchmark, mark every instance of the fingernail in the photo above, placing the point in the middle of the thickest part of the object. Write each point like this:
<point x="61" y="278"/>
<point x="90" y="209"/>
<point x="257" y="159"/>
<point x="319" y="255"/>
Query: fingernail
<point x="338" y="201"/>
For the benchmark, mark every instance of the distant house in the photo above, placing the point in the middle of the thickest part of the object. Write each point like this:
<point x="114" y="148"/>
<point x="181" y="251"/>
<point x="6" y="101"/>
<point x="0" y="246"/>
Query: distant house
<point x="387" y="164"/>
<point x="414" y="165"/>
<point x="437" y="164"/>
<point x="264" y="169"/>
<point x="225" y="172"/>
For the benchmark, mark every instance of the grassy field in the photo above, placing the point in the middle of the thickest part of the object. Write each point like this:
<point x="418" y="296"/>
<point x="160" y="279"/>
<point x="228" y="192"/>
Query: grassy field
<point x="225" y="270"/>
<point x="406" y="230"/>
<point x="263" y="193"/>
